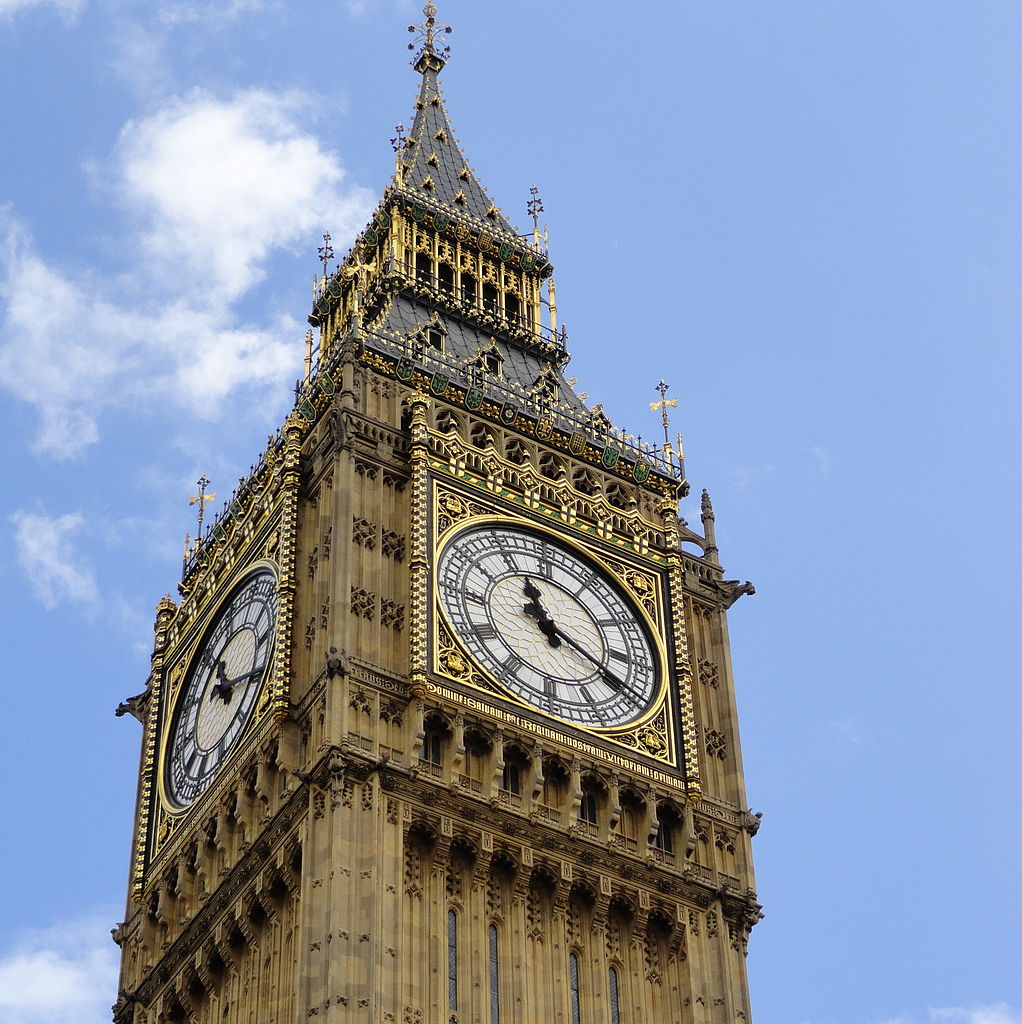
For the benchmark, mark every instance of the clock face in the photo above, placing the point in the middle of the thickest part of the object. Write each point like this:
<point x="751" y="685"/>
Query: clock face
<point x="221" y="687"/>
<point x="548" y="624"/>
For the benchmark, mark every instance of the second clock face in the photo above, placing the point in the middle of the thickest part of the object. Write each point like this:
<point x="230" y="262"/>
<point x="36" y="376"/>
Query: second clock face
<point x="221" y="688"/>
<point x="548" y="624"/>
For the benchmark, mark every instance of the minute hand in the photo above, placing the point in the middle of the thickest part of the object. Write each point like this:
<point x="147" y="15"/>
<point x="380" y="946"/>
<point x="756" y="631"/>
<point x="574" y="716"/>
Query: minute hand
<point x="618" y="684"/>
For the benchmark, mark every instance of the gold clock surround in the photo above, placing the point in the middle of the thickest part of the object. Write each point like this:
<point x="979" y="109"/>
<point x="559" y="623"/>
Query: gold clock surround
<point x="651" y="734"/>
<point x="182" y="670"/>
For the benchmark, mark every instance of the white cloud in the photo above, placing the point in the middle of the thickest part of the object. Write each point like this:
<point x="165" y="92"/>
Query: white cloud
<point x="45" y="551"/>
<point x="1000" y="1013"/>
<point x="215" y="187"/>
<point x="823" y="459"/>
<point x="218" y="185"/>
<point x="174" y="14"/>
<point x="68" y="9"/>
<point x="746" y="477"/>
<point x="59" y="975"/>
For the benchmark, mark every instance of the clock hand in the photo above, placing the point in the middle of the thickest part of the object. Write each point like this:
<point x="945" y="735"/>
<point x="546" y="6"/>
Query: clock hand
<point x="221" y="688"/>
<point x="610" y="677"/>
<point x="224" y="688"/>
<point x="536" y="611"/>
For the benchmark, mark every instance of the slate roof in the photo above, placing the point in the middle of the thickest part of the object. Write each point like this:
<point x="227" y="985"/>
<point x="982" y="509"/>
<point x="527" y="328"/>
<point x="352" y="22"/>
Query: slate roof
<point x="464" y="341"/>
<point x="433" y="154"/>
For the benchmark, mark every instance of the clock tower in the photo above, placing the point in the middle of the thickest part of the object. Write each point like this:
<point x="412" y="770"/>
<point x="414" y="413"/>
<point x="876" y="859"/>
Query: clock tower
<point x="442" y="727"/>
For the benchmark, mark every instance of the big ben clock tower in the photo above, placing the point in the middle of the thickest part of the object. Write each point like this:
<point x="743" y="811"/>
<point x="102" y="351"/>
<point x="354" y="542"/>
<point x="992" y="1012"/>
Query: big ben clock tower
<point x="442" y="728"/>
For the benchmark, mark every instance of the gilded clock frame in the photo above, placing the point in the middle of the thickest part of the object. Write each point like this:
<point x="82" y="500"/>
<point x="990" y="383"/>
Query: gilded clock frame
<point x="180" y="667"/>
<point x="651" y="735"/>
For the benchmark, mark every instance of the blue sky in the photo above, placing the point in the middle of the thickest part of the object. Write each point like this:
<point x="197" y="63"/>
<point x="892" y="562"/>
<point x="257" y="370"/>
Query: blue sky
<point x="805" y="214"/>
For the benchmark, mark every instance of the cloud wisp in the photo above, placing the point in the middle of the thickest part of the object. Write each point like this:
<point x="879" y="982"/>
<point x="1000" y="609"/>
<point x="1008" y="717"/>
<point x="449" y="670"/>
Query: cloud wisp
<point x="213" y="187"/>
<point x="59" y="975"/>
<point x="45" y="550"/>
<point x="67" y="9"/>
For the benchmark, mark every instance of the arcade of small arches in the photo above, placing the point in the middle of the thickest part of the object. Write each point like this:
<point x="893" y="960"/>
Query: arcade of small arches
<point x="593" y="803"/>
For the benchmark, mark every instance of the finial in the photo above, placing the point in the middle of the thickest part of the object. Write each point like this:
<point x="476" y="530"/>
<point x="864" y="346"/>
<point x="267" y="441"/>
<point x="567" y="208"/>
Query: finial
<point x="663" y="405"/>
<point x="535" y="208"/>
<point x="431" y="57"/>
<point x="326" y="252"/>
<point x="399" y="141"/>
<point x="202" y="499"/>
<point x="706" y="506"/>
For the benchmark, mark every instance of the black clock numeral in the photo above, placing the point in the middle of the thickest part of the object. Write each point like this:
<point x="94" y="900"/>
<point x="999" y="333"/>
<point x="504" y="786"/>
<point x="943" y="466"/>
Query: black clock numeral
<point x="484" y="631"/>
<point x="618" y="656"/>
<point x="550" y="692"/>
<point x="512" y="664"/>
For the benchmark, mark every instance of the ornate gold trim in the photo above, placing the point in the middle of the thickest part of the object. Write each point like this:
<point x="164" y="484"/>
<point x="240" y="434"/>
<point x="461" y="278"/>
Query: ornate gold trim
<point x="182" y="661"/>
<point x="651" y="734"/>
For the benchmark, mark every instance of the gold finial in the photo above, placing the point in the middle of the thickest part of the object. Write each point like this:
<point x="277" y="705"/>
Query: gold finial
<point x="535" y="208"/>
<point x="663" y="405"/>
<point x="427" y="33"/>
<point x="202" y="499"/>
<point x="326" y="252"/>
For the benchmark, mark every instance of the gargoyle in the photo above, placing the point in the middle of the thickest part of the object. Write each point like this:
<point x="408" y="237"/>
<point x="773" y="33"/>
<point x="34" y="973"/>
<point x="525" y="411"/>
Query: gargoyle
<point x="135" y="706"/>
<point x="731" y="590"/>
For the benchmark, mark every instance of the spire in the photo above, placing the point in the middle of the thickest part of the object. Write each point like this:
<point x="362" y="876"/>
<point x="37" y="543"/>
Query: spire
<point x="433" y="165"/>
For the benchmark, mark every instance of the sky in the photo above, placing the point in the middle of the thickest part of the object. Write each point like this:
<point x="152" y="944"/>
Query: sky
<point x="805" y="215"/>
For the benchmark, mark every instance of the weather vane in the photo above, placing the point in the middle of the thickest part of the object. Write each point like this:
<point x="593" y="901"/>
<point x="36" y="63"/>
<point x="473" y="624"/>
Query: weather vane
<point x="326" y="252"/>
<point x="427" y="32"/>
<point x="202" y="499"/>
<point x="663" y="405"/>
<point x="535" y="208"/>
<point x="398" y="142"/>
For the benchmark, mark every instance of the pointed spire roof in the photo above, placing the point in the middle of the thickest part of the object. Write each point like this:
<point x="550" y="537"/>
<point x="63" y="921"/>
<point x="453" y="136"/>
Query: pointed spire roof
<point x="433" y="164"/>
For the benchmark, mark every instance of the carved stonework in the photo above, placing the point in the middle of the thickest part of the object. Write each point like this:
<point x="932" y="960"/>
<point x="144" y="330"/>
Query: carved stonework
<point x="363" y="603"/>
<point x="724" y="840"/>
<point x="716" y="745"/>
<point x="393" y="545"/>
<point x="392" y="615"/>
<point x="363" y="532"/>
<point x="708" y="673"/>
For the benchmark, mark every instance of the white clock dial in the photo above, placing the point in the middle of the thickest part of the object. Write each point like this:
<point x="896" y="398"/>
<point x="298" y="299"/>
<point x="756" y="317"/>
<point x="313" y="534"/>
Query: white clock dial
<point x="221" y="687"/>
<point x="548" y="624"/>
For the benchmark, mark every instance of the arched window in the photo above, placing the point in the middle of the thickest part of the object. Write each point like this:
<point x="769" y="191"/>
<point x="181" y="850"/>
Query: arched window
<point x="668" y="824"/>
<point x="452" y="960"/>
<point x="433" y="743"/>
<point x="494" y="977"/>
<point x="424" y="268"/>
<point x="445" y="276"/>
<point x="576" y="1001"/>
<point x="511" y="780"/>
<point x="615" y="998"/>
<point x="587" y="809"/>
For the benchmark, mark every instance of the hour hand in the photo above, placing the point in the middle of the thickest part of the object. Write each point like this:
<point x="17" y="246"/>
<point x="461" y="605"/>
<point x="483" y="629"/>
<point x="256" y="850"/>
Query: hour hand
<point x="534" y="608"/>
<point x="223" y="686"/>
<point x="536" y="611"/>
